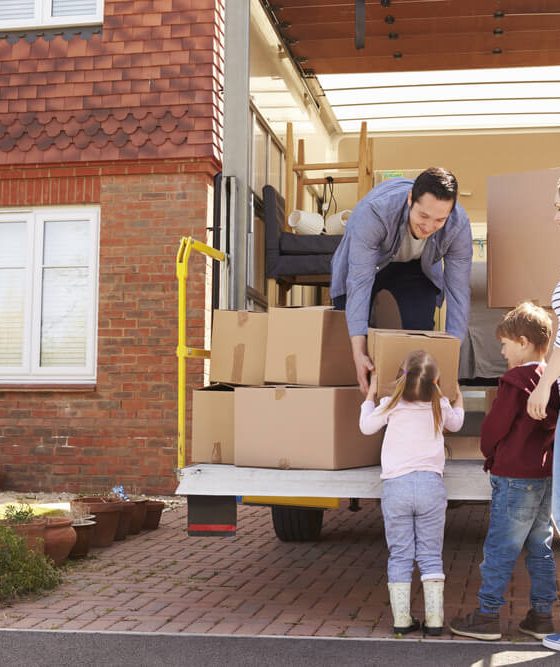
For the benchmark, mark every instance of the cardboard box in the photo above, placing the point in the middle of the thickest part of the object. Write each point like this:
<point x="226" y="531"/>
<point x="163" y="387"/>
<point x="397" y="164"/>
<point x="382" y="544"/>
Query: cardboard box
<point x="237" y="353"/>
<point x="212" y="424"/>
<point x="302" y="427"/>
<point x="522" y="238"/>
<point x="389" y="348"/>
<point x="459" y="447"/>
<point x="309" y="346"/>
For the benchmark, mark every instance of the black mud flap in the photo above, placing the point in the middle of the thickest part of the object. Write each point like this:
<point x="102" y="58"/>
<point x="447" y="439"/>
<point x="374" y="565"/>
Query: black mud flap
<point x="212" y="516"/>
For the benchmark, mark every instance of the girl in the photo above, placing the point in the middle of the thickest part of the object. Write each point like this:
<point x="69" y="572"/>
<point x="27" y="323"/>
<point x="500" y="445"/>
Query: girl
<point x="414" y="498"/>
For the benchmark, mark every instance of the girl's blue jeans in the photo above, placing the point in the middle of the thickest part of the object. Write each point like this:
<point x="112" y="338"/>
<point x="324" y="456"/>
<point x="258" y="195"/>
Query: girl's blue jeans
<point x="413" y="508"/>
<point x="519" y="517"/>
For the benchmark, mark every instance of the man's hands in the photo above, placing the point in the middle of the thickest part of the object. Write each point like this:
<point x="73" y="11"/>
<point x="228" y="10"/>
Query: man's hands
<point x="363" y="363"/>
<point x="372" y="391"/>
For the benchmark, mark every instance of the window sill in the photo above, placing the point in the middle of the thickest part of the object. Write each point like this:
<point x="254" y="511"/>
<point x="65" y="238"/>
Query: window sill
<point x="59" y="388"/>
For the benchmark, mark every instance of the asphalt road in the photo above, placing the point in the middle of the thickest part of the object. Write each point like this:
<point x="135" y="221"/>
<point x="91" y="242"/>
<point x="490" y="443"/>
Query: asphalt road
<point x="21" y="648"/>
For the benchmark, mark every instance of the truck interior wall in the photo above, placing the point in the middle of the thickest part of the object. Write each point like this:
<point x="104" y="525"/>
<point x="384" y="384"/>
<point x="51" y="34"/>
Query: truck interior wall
<point x="471" y="157"/>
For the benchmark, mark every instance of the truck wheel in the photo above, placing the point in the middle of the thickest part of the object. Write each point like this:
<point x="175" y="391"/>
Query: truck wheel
<point x="297" y="524"/>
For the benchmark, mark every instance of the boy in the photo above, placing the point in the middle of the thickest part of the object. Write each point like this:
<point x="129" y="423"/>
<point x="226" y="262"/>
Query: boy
<point x="518" y="452"/>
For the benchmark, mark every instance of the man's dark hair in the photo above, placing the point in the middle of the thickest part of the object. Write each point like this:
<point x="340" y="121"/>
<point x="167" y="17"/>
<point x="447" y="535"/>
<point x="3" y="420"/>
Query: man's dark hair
<point x="438" y="182"/>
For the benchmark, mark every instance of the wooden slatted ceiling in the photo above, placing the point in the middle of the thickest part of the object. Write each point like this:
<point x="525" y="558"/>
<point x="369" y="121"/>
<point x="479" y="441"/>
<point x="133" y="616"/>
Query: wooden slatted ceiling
<point x="413" y="35"/>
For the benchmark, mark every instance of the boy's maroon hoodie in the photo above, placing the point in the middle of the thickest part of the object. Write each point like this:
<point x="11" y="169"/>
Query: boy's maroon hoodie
<point x="514" y="444"/>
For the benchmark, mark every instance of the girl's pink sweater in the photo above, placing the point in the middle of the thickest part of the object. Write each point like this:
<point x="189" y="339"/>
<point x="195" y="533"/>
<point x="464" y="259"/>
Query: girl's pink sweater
<point x="410" y="442"/>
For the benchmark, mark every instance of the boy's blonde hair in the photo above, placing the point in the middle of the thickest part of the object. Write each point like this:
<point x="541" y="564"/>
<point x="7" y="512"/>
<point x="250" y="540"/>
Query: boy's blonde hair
<point x="419" y="382"/>
<point x="530" y="321"/>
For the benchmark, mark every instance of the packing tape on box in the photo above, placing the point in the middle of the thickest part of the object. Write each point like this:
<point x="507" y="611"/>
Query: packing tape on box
<point x="291" y="369"/>
<point x="238" y="359"/>
<point x="242" y="317"/>
<point x="217" y="453"/>
<point x="279" y="394"/>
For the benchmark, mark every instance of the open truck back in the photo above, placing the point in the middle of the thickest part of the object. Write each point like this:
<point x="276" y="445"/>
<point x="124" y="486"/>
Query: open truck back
<point x="297" y="497"/>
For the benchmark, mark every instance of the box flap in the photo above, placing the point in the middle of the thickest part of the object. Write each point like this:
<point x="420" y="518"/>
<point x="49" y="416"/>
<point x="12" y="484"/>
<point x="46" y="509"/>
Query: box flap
<point x="217" y="386"/>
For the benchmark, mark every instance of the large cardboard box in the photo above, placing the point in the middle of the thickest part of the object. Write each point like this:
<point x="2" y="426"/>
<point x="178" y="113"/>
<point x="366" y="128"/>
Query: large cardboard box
<point x="212" y="424"/>
<point x="523" y="238"/>
<point x="459" y="447"/>
<point x="302" y="427"/>
<point x="309" y="346"/>
<point x="238" y="347"/>
<point x="389" y="348"/>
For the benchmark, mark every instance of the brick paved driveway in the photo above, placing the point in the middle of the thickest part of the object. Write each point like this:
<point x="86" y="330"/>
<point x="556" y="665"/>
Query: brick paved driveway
<point x="253" y="584"/>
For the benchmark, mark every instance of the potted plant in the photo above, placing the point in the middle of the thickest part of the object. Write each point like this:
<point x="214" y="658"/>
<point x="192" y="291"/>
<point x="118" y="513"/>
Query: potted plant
<point x="21" y="519"/>
<point x="138" y="514"/>
<point x="154" y="509"/>
<point x="60" y="537"/>
<point x="83" y="523"/>
<point x="106" y="518"/>
<point x="125" y="519"/>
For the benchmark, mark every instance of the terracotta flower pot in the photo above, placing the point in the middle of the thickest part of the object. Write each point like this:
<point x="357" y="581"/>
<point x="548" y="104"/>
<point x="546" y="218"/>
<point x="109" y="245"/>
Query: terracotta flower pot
<point x="84" y="533"/>
<point x="60" y="537"/>
<point x="154" y="509"/>
<point x="125" y="517"/>
<point x="138" y="516"/>
<point x="106" y="520"/>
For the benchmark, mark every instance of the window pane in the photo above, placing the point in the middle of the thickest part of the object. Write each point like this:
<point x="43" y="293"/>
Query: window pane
<point x="74" y="7"/>
<point x="12" y="244"/>
<point x="259" y="159"/>
<point x="259" y="279"/>
<point x="12" y="301"/>
<point x="12" y="10"/>
<point x="275" y="169"/>
<point x="66" y="243"/>
<point x="64" y="317"/>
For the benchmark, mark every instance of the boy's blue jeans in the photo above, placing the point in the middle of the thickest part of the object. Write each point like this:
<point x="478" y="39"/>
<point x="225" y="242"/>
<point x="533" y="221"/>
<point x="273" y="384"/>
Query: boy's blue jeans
<point x="519" y="517"/>
<point x="413" y="508"/>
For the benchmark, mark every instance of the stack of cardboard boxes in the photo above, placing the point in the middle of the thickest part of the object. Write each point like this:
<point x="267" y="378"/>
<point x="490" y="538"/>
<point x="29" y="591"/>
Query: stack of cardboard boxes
<point x="284" y="389"/>
<point x="286" y="394"/>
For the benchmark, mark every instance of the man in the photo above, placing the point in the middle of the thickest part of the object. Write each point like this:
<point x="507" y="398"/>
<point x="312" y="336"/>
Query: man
<point x="395" y="240"/>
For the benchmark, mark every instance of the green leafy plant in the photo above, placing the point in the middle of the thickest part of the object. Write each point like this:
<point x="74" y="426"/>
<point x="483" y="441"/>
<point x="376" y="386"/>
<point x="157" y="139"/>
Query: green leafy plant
<point x="22" y="513"/>
<point x="22" y="570"/>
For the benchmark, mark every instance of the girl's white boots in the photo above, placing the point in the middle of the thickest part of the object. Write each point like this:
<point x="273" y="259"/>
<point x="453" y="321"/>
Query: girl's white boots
<point x="433" y="606"/>
<point x="403" y="622"/>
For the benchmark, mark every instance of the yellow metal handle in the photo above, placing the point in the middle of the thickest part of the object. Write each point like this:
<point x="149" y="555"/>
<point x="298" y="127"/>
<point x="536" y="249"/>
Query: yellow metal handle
<point x="184" y="352"/>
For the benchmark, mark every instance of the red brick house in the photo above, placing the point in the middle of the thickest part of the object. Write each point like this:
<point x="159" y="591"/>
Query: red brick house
<point x="110" y="136"/>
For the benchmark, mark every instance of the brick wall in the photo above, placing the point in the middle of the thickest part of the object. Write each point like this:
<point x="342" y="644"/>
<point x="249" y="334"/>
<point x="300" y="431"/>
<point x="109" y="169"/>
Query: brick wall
<point x="125" y="429"/>
<point x="127" y="115"/>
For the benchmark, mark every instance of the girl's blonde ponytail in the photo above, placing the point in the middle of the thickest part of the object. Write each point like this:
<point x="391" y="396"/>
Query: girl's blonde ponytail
<point x="419" y="382"/>
<point x="436" y="409"/>
<point x="398" y="393"/>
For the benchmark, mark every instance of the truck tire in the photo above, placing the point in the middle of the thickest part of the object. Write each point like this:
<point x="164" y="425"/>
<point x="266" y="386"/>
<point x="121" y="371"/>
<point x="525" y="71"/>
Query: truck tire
<point x="297" y="524"/>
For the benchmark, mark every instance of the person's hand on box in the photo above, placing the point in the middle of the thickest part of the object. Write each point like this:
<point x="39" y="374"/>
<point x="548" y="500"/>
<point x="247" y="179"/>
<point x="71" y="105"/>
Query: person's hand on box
<point x="457" y="402"/>
<point x="372" y="389"/>
<point x="364" y="365"/>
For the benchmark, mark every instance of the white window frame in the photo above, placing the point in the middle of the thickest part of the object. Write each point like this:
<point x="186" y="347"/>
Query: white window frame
<point x="30" y="372"/>
<point x="42" y="18"/>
